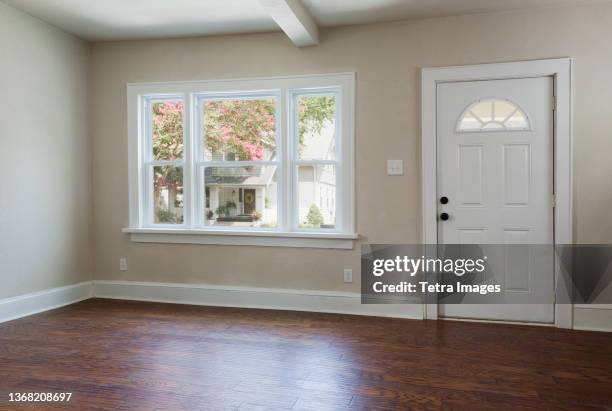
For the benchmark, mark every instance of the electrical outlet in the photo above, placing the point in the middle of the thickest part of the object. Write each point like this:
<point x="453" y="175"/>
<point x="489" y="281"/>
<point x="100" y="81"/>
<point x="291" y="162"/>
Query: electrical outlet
<point x="348" y="275"/>
<point x="123" y="264"/>
<point x="395" y="167"/>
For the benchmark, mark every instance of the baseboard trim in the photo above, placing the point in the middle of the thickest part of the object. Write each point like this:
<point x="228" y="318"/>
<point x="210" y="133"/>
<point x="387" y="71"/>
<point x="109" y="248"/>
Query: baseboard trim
<point x="251" y="297"/>
<point x="587" y="317"/>
<point x="33" y="303"/>
<point x="593" y="317"/>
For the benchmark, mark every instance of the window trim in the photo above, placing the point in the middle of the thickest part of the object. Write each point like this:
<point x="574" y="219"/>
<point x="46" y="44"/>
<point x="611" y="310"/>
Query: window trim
<point x="284" y="89"/>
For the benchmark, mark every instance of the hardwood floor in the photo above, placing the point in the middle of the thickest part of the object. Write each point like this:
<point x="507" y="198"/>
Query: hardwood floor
<point x="145" y="356"/>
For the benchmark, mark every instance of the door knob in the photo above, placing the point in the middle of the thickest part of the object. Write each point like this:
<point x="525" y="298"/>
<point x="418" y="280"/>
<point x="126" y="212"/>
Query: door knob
<point x="444" y="216"/>
<point x="444" y="200"/>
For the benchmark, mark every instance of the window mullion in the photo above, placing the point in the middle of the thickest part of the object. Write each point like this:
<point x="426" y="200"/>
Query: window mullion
<point x="288" y="208"/>
<point x="189" y="210"/>
<point x="144" y="217"/>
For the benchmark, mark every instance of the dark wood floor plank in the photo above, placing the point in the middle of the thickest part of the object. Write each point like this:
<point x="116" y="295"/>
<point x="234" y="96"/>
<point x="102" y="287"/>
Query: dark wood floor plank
<point x="120" y="355"/>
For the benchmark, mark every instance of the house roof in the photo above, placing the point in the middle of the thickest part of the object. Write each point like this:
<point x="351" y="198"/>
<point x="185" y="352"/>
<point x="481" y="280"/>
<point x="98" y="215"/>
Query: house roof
<point x="240" y="176"/>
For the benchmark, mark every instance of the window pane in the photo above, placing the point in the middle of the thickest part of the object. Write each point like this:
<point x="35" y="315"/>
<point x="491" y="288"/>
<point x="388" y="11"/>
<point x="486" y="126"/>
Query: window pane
<point x="493" y="115"/>
<point x="483" y="111"/>
<point x="317" y="196"/>
<point x="503" y="109"/>
<point x="317" y="127"/>
<point x="469" y="122"/>
<point x="240" y="129"/>
<point x="517" y="121"/>
<point x="167" y="130"/>
<point x="241" y="196"/>
<point x="168" y="195"/>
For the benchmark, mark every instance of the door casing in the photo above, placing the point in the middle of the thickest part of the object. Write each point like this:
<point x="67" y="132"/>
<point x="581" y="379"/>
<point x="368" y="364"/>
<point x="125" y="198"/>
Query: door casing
<point x="561" y="71"/>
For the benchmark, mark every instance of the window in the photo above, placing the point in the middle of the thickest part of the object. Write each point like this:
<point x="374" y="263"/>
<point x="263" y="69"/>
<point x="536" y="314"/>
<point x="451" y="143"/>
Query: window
<point x="259" y="156"/>
<point x="493" y="115"/>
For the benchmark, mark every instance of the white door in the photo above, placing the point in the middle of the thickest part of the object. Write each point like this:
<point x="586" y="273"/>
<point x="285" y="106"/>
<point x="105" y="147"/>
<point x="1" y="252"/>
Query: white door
<point x="495" y="167"/>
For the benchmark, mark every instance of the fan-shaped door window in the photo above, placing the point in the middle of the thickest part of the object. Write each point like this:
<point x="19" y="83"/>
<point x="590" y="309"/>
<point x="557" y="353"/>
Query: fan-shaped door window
<point x="493" y="115"/>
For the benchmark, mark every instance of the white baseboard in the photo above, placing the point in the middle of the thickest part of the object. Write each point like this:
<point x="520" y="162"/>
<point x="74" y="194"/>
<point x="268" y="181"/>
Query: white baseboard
<point x="593" y="317"/>
<point x="33" y="303"/>
<point x="251" y="297"/>
<point x="590" y="317"/>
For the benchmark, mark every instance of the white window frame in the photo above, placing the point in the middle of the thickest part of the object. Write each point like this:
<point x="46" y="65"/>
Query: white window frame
<point x="285" y="90"/>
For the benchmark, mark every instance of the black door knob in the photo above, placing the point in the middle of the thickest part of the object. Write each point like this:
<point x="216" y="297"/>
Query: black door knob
<point x="444" y="200"/>
<point x="444" y="216"/>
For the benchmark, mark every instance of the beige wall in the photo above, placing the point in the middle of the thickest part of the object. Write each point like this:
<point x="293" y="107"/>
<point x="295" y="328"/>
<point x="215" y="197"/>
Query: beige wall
<point x="45" y="195"/>
<point x="387" y="58"/>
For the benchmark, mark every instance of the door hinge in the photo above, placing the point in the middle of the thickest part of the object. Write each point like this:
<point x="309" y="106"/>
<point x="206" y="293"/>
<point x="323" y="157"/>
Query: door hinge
<point x="554" y="201"/>
<point x="554" y="103"/>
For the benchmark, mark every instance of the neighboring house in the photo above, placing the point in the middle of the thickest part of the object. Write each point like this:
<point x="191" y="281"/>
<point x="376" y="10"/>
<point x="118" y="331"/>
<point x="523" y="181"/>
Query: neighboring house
<point x="251" y="192"/>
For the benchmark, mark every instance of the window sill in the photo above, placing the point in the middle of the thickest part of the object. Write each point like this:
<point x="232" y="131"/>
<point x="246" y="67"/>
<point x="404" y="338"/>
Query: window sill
<point x="256" y="238"/>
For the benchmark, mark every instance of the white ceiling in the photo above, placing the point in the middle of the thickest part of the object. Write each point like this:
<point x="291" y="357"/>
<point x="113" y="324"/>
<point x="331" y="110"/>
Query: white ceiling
<point x="98" y="20"/>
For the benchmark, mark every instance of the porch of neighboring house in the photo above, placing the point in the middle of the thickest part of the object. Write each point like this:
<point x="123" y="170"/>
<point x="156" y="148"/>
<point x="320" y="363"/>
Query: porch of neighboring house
<point x="241" y="196"/>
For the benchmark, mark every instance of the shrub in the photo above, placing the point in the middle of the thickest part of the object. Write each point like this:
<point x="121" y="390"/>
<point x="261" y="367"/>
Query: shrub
<point x="221" y="210"/>
<point x="165" y="216"/>
<point x="314" y="217"/>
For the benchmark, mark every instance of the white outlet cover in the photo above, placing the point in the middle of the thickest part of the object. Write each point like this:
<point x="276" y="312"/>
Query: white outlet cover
<point x="348" y="275"/>
<point x="123" y="264"/>
<point x="395" y="167"/>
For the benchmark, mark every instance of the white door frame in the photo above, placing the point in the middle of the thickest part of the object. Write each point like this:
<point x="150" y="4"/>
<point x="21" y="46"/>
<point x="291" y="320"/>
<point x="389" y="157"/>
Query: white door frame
<point x="561" y="71"/>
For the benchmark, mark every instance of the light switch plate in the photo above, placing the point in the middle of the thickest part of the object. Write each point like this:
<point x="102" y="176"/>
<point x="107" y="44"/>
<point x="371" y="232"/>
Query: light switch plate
<point x="348" y="275"/>
<point x="123" y="264"/>
<point x="395" y="167"/>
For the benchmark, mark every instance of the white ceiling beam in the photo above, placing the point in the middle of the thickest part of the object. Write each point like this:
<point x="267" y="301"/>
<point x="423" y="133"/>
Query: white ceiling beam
<point x="294" y="20"/>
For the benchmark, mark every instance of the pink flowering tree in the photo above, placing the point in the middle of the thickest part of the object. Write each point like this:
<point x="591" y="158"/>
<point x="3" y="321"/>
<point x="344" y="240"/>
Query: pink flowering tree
<point x="246" y="128"/>
<point x="243" y="128"/>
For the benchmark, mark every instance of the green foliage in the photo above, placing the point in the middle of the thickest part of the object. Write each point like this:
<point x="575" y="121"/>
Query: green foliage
<point x="314" y="217"/>
<point x="244" y="128"/>
<point x="165" y="216"/>
<point x="171" y="177"/>
<point x="221" y="210"/>
<point x="314" y="113"/>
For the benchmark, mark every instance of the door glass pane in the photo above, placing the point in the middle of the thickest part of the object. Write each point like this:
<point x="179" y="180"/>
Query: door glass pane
<point x="241" y="196"/>
<point x="240" y="129"/>
<point x="503" y="109"/>
<point x="167" y="195"/>
<point x="167" y="130"/>
<point x="493" y="115"/>
<point x="317" y="196"/>
<point x="316" y="127"/>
